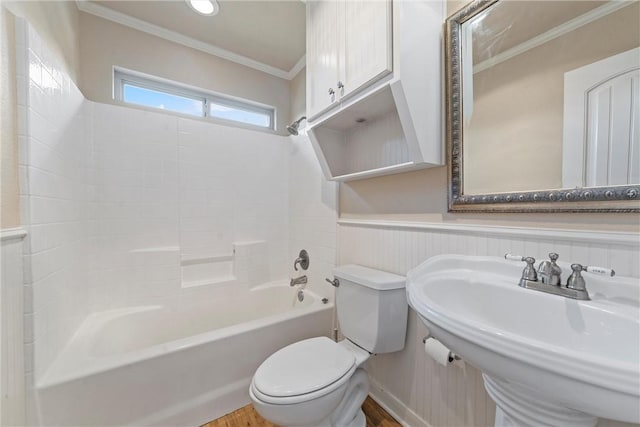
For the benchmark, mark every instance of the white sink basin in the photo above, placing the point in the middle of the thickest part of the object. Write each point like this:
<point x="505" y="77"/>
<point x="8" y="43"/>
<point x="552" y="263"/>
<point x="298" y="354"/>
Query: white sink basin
<point x="546" y="359"/>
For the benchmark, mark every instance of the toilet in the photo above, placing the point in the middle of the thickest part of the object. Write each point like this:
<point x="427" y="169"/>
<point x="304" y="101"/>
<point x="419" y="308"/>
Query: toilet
<point x="318" y="382"/>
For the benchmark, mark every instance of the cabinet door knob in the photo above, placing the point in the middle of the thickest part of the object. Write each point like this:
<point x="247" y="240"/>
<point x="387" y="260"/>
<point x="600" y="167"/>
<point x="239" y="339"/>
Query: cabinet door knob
<point x="340" y="85"/>
<point x="331" y="91"/>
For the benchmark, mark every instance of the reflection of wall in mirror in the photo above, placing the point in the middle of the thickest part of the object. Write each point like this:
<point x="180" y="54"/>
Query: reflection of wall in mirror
<point x="514" y="139"/>
<point x="601" y="139"/>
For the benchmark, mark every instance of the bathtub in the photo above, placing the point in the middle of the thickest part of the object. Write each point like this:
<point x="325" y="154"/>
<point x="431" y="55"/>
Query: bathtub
<point x="180" y="362"/>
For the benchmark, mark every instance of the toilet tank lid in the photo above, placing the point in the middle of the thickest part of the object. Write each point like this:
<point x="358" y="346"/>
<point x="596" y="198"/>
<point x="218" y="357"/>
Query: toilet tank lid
<point x="372" y="278"/>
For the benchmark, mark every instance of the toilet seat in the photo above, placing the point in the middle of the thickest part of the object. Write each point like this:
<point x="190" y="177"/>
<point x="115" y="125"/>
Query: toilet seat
<point x="303" y="371"/>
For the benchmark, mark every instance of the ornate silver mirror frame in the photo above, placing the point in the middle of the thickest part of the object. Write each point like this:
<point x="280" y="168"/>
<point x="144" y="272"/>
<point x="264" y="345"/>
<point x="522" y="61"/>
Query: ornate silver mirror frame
<point x="588" y="199"/>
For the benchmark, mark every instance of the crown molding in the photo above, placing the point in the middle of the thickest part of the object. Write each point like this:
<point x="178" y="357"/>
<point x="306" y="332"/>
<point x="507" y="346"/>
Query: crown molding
<point x="298" y="67"/>
<point x="553" y="33"/>
<point x="164" y="33"/>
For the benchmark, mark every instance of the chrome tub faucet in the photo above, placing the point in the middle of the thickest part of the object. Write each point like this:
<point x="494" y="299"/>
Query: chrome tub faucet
<point x="302" y="280"/>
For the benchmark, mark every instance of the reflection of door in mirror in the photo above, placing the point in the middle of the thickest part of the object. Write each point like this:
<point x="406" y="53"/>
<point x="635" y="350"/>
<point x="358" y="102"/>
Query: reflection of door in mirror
<point x="601" y="139"/>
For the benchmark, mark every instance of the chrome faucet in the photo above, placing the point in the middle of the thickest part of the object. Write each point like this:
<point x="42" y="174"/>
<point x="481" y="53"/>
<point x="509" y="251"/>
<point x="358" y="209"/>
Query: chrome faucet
<point x="302" y="280"/>
<point x="551" y="280"/>
<point x="550" y="273"/>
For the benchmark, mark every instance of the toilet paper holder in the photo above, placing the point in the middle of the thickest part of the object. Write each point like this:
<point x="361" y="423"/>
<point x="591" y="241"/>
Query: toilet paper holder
<point x="452" y="355"/>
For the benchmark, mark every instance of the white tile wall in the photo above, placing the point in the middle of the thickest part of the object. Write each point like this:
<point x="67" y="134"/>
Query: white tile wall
<point x="313" y="213"/>
<point x="55" y="188"/>
<point x="168" y="188"/>
<point x="134" y="212"/>
<point x="233" y="188"/>
<point x="416" y="388"/>
<point x="250" y="261"/>
<point x="114" y="197"/>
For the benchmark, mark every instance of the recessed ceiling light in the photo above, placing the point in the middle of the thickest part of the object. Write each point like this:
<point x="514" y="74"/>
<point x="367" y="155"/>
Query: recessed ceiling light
<point x="204" y="7"/>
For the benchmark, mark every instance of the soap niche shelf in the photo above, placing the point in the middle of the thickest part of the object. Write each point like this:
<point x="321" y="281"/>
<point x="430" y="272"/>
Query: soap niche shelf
<point x="370" y="137"/>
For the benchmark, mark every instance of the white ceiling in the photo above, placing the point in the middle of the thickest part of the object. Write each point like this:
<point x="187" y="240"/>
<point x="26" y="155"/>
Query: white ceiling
<point x="271" y="32"/>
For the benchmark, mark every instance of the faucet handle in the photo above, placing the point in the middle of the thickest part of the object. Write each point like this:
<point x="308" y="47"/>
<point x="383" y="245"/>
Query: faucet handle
<point x="529" y="272"/>
<point x="335" y="282"/>
<point x="576" y="281"/>
<point x="600" y="270"/>
<point x="302" y="260"/>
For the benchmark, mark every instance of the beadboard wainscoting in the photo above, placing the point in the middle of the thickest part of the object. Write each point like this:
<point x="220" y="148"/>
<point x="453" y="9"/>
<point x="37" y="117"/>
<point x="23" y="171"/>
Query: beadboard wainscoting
<point x="12" y="388"/>
<point x="415" y="389"/>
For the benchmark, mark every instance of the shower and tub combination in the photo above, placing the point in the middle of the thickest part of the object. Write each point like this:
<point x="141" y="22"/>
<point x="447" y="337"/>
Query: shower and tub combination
<point x="178" y="331"/>
<point x="157" y="255"/>
<point x="180" y="361"/>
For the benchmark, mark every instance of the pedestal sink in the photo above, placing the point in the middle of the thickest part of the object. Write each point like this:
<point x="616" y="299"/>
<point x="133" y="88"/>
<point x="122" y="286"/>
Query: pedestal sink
<point x="545" y="359"/>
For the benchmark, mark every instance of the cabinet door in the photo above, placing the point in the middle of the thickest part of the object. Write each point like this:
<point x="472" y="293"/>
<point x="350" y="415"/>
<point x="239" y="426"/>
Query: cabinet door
<point x="366" y="43"/>
<point x="322" y="55"/>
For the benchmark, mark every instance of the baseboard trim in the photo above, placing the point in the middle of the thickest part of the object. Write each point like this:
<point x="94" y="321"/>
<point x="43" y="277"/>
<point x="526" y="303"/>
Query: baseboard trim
<point x="398" y="410"/>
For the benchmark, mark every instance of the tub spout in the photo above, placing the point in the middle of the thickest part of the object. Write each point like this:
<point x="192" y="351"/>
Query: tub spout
<point x="302" y="280"/>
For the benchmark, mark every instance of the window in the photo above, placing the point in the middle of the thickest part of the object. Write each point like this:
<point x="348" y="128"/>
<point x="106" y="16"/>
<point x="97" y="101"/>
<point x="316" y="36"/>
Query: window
<point x="136" y="94"/>
<point x="142" y="90"/>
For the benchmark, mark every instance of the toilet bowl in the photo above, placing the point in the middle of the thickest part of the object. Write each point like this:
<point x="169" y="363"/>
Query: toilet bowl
<point x="318" y="382"/>
<point x="314" y="382"/>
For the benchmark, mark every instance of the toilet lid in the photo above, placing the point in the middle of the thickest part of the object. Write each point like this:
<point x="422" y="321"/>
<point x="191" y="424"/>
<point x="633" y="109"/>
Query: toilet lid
<point x="303" y="367"/>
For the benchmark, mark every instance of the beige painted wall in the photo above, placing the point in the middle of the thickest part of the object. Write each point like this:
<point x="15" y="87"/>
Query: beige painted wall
<point x="298" y="89"/>
<point x="513" y="141"/>
<point x="9" y="190"/>
<point x="422" y="196"/>
<point x="104" y="44"/>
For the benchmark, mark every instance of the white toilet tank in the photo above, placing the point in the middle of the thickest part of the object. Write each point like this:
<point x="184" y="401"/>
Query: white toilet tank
<point x="372" y="308"/>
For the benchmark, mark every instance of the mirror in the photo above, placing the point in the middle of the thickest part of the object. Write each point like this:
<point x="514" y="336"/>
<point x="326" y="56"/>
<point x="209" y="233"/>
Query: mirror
<point x="543" y="106"/>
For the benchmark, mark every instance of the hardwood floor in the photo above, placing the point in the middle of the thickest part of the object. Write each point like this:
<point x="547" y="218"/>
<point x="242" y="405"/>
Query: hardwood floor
<point x="248" y="417"/>
<point x="376" y="416"/>
<point x="243" y="417"/>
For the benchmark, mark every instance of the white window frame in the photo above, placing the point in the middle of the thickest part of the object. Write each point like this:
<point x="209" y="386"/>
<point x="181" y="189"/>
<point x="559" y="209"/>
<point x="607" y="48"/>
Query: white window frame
<point x="122" y="76"/>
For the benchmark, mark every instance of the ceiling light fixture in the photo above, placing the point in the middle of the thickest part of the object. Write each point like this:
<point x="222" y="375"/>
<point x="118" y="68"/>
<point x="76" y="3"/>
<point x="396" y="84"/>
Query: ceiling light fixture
<point x="204" y="7"/>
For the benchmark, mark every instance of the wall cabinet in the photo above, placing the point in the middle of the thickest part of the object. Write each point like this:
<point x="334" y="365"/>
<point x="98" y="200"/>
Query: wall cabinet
<point x="374" y="86"/>
<point x="322" y="63"/>
<point x="349" y="45"/>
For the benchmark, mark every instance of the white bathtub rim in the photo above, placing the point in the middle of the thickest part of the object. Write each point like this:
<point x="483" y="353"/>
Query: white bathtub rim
<point x="73" y="372"/>
<point x="74" y="369"/>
